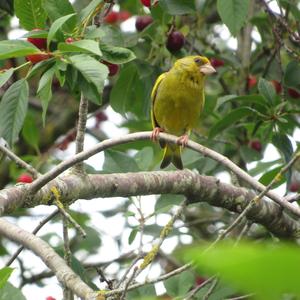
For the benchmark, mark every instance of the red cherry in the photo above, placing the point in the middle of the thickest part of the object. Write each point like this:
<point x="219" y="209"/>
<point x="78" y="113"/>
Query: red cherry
<point x="255" y="145"/>
<point x="124" y="15"/>
<point x="25" y="178"/>
<point x="294" y="186"/>
<point x="35" y="58"/>
<point x="113" y="68"/>
<point x="41" y="43"/>
<point x="216" y="62"/>
<point x="101" y="116"/>
<point x="252" y="81"/>
<point x="69" y="40"/>
<point x="277" y="86"/>
<point x="146" y="3"/>
<point x="200" y="280"/>
<point x="112" y="17"/>
<point x="293" y="93"/>
<point x="50" y="298"/>
<point x="175" y="41"/>
<point x="142" y="22"/>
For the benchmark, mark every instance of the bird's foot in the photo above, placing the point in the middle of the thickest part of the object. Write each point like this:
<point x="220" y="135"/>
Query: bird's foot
<point x="155" y="133"/>
<point x="183" y="140"/>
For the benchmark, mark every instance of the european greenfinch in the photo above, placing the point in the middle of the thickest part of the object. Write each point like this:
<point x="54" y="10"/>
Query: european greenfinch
<point x="177" y="101"/>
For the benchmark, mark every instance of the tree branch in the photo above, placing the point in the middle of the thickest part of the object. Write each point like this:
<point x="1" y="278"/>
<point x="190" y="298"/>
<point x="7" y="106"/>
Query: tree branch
<point x="196" y="187"/>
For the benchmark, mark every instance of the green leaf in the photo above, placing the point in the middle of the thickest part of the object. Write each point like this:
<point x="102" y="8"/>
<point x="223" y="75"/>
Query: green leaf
<point x="179" y="285"/>
<point x="88" y="10"/>
<point x="16" y="48"/>
<point x="59" y="8"/>
<point x="30" y="132"/>
<point x="88" y="46"/>
<point x="44" y="90"/>
<point x="144" y="158"/>
<point x="178" y="7"/>
<point x="132" y="235"/>
<point x="89" y="90"/>
<point x="122" y="92"/>
<point x="4" y="76"/>
<point x="165" y="202"/>
<point x="292" y="75"/>
<point x="91" y="243"/>
<point x="250" y="155"/>
<point x="284" y="145"/>
<point x="4" y="275"/>
<point x="116" y="161"/>
<point x="30" y="13"/>
<point x="13" y="108"/>
<point x="11" y="292"/>
<point x="57" y="24"/>
<point x="230" y="119"/>
<point x="233" y="13"/>
<point x="267" y="90"/>
<point x="274" y="265"/>
<point x="116" y="55"/>
<point x="269" y="176"/>
<point x="91" y="69"/>
<point x="40" y="66"/>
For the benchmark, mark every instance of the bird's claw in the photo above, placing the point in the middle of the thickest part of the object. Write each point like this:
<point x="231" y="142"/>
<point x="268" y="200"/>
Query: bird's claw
<point x="155" y="133"/>
<point x="183" y="140"/>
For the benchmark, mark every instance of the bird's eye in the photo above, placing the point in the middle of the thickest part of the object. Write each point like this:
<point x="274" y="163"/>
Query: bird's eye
<point x="198" y="61"/>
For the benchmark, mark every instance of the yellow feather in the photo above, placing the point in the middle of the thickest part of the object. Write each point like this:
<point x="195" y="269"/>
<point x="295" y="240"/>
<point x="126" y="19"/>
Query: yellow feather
<point x="177" y="101"/>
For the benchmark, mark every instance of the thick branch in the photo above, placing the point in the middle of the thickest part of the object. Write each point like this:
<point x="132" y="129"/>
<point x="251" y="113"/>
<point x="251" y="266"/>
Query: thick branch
<point x="196" y="187"/>
<point x="64" y="273"/>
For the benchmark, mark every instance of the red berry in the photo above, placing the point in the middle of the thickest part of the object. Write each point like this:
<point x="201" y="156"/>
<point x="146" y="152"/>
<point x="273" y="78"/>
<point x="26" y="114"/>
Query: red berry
<point x="35" y="58"/>
<point x="277" y="86"/>
<point x="216" y="62"/>
<point x="112" y="68"/>
<point x="142" y="22"/>
<point x="69" y="40"/>
<point x="146" y="3"/>
<point x="124" y="15"/>
<point x="200" y="280"/>
<point x="101" y="116"/>
<point x="252" y="81"/>
<point x="50" y="298"/>
<point x="293" y="93"/>
<point x="112" y="17"/>
<point x="175" y="41"/>
<point x="41" y="43"/>
<point x="25" y="178"/>
<point x="255" y="145"/>
<point x="294" y="186"/>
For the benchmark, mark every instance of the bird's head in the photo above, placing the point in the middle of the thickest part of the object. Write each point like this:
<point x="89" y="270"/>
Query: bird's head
<point x="195" y="63"/>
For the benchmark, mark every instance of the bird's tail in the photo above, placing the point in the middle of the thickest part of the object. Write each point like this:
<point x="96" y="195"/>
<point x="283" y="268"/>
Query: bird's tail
<point x="172" y="154"/>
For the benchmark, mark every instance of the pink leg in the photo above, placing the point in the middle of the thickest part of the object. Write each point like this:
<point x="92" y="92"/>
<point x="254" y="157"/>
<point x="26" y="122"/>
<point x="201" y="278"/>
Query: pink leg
<point x="155" y="133"/>
<point x="183" y="140"/>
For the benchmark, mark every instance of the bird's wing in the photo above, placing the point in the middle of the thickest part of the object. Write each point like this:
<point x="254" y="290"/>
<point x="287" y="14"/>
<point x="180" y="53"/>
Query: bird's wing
<point x="153" y="98"/>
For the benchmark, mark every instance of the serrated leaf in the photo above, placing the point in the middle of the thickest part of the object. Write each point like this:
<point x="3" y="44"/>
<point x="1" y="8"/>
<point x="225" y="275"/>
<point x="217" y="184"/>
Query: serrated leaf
<point x="116" y="55"/>
<point x="132" y="235"/>
<point x="4" y="275"/>
<point x="178" y="7"/>
<point x="88" y="10"/>
<point x="30" y="132"/>
<point x="284" y="145"/>
<point x="233" y="13"/>
<point x="30" y="13"/>
<point x="56" y="25"/>
<point x="11" y="292"/>
<point x="40" y="66"/>
<point x="59" y="8"/>
<point x="4" y="76"/>
<point x="16" y="48"/>
<point x="88" y="46"/>
<point x="267" y="90"/>
<point x="116" y="161"/>
<point x="230" y="119"/>
<point x="279" y="263"/>
<point x="91" y="69"/>
<point x="44" y="90"/>
<point x="13" y="108"/>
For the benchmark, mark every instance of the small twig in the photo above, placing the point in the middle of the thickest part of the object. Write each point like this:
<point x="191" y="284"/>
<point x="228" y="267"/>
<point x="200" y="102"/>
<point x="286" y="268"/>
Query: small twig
<point x="104" y="279"/>
<point x="194" y="291"/>
<point x="211" y="289"/>
<point x="244" y="231"/>
<point x="130" y="279"/>
<point x="292" y="198"/>
<point x="241" y="297"/>
<point x="70" y="219"/>
<point x="19" y="161"/>
<point x="35" y="231"/>
<point x="81" y="127"/>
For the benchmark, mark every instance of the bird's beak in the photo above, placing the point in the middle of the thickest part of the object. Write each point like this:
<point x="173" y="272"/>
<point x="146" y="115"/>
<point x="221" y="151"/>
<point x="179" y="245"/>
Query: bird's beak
<point x="207" y="69"/>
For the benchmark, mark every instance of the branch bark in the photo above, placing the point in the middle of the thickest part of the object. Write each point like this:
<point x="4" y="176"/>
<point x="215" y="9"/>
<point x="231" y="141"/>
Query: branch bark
<point x="195" y="187"/>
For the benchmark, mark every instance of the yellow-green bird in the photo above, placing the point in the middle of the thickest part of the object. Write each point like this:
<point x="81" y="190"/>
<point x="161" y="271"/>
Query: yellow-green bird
<point x="177" y="101"/>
